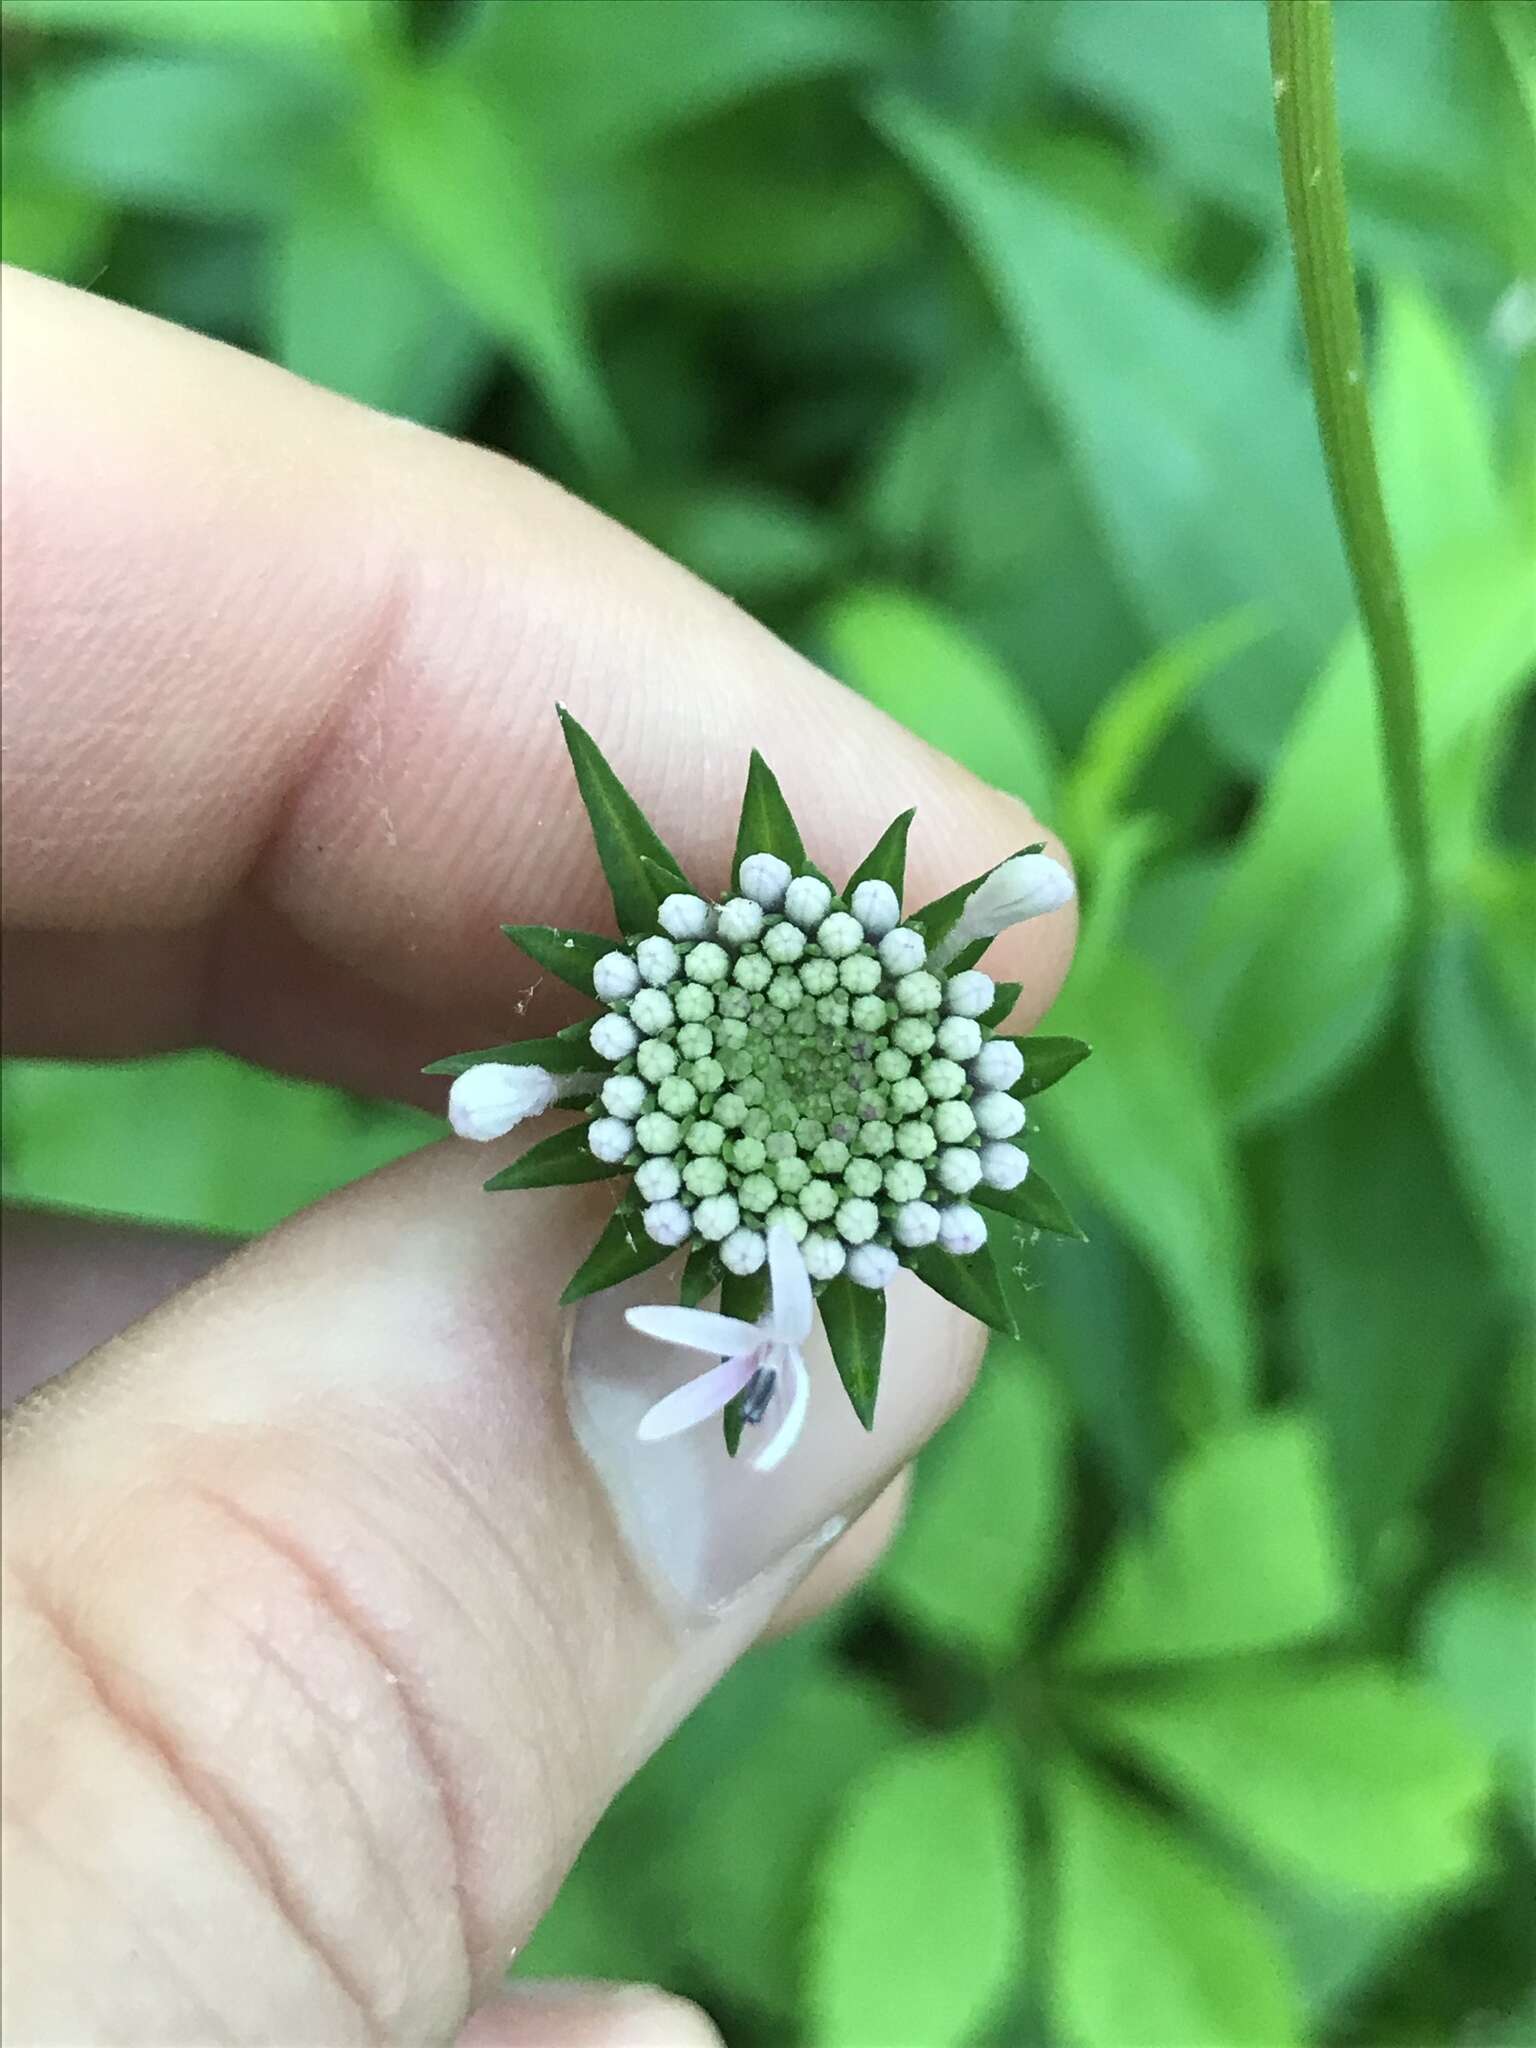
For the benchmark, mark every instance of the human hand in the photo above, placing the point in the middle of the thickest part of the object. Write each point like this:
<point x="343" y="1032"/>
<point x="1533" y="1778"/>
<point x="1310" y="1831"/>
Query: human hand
<point x="324" y="1645"/>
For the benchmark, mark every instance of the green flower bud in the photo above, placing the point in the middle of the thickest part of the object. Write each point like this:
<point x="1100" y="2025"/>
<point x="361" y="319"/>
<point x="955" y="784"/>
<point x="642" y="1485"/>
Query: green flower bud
<point x="919" y="993"/>
<point x="657" y="1132"/>
<point x="694" y="1005"/>
<point x="839" y="935"/>
<point x="753" y="972"/>
<point x="759" y="1123"/>
<point x="740" y="921"/>
<point x="655" y="1060"/>
<point x="732" y="1034"/>
<point x="730" y="1110"/>
<point x="862" y="1178"/>
<point x="954" y="1122"/>
<point x="905" y="1180"/>
<point x="817" y="976"/>
<point x="703" y="1177"/>
<point x="868" y="1013"/>
<point x="733" y="1003"/>
<point x="791" y="1174"/>
<point x="831" y="1155"/>
<point x="916" y="1141"/>
<point x="857" y="1221"/>
<point x="758" y="1193"/>
<point x="908" y="1097"/>
<point x="860" y="975"/>
<point x="695" y="1041"/>
<point x="785" y="992"/>
<point x="818" y="1199"/>
<point x="783" y="943"/>
<point x="751" y="1091"/>
<point x="780" y="1144"/>
<point x="709" y="963"/>
<point x="651" y="1011"/>
<point x="809" y="1133"/>
<point x="790" y="1219"/>
<point x="717" y="1217"/>
<point x="892" y="1064"/>
<point x="943" y="1080"/>
<point x="912" y="1035"/>
<point x="677" y="1096"/>
<point x="876" y="1139"/>
<point x="745" y="1154"/>
<point x="707" y="1075"/>
<point x="704" y="1137"/>
<point x="833" y="1012"/>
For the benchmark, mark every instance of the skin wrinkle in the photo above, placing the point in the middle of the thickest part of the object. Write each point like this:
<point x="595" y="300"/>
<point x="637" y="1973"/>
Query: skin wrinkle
<point x="230" y="1821"/>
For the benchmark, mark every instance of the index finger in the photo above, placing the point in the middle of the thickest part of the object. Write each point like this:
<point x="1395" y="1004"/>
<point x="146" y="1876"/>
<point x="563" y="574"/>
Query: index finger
<point x="280" y="677"/>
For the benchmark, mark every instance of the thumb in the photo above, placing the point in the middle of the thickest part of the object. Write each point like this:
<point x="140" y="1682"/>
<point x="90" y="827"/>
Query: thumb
<point x="327" y="1644"/>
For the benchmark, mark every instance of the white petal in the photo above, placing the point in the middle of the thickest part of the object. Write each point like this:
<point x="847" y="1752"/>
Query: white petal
<point x="790" y="1316"/>
<point x="792" y="1372"/>
<point x="696" y="1329"/>
<point x="487" y="1101"/>
<point x="696" y="1400"/>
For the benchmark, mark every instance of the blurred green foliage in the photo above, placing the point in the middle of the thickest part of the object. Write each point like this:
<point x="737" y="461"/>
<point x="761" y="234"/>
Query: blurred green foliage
<point x="957" y="339"/>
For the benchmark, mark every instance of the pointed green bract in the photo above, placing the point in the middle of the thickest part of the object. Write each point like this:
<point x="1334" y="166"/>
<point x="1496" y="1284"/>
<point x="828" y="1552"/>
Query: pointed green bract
<point x="745" y="1296"/>
<point x="566" y="1053"/>
<point x="767" y="825"/>
<point x="570" y="955"/>
<point x="558" y="1162"/>
<point x="620" y="1253"/>
<point x="1046" y="1061"/>
<point x="1034" y="1203"/>
<point x="971" y="1283"/>
<point x="701" y="1275"/>
<point x="886" y="861"/>
<point x="936" y="920"/>
<point x="1008" y="993"/>
<point x="623" y="835"/>
<point x="854" y="1320"/>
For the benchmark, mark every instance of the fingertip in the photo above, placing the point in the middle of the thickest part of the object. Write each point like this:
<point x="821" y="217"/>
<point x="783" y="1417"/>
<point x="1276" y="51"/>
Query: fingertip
<point x="590" y="2016"/>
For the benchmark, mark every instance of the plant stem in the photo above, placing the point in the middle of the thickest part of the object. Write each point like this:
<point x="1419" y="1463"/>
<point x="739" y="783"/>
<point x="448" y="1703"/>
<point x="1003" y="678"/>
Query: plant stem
<point x="1306" y="123"/>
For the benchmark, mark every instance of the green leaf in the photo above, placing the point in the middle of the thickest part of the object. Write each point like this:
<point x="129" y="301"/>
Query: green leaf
<point x="854" y="1320"/>
<point x="278" y="27"/>
<point x="561" y="1054"/>
<point x="1284" y="995"/>
<point x="1377" y="1281"/>
<point x="419" y="355"/>
<point x="1046" y="1061"/>
<point x="897" y="1956"/>
<point x="701" y="1276"/>
<point x="1144" y="1137"/>
<point x="1355" y="1779"/>
<point x="624" y="836"/>
<point x="970" y="1283"/>
<point x="886" y="861"/>
<point x="923" y="668"/>
<point x="1147" y="384"/>
<point x="1478" y="1055"/>
<point x="1034" y="1203"/>
<point x="1478" y="1641"/>
<point x="1434" y="437"/>
<point x="559" y="1161"/>
<point x="1008" y="993"/>
<point x="981" y="1542"/>
<point x="1155" y="1943"/>
<point x="1131" y="721"/>
<point x="1243" y="1554"/>
<point x="766" y="824"/>
<point x="198" y="135"/>
<point x="622" y="1251"/>
<point x="457" y="182"/>
<point x="569" y="954"/>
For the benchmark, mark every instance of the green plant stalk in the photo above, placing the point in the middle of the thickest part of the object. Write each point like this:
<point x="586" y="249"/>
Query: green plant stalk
<point x="1307" y="127"/>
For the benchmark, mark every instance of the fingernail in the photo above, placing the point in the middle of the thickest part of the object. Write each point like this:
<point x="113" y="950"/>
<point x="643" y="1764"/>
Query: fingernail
<point x="704" y="1526"/>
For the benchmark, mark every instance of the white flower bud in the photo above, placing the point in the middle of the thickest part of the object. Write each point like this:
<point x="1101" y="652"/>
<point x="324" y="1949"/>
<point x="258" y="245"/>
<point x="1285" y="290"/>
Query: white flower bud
<point x="970" y="994"/>
<point x="824" y="1257"/>
<point x="615" y="978"/>
<point x="998" y="1116"/>
<point x="739" y="923"/>
<point x="657" y="1180"/>
<point x="624" y="1096"/>
<point x="1003" y="1166"/>
<point x="658" y="960"/>
<point x="962" y="1229"/>
<point x="489" y="1100"/>
<point x="1029" y="885"/>
<point x="839" y="935"/>
<point x="651" y="1011"/>
<point x="871" y="1265"/>
<point x="857" y="1220"/>
<point x="957" y="1169"/>
<point x="915" y="1224"/>
<point x="685" y="917"/>
<point x="998" y="1065"/>
<point x="613" y="1038"/>
<point x="959" y="1038"/>
<point x="716" y="1217"/>
<point x="902" y="951"/>
<point x="807" y="901"/>
<point x="743" y="1252"/>
<point x="610" y="1140"/>
<point x="764" y="877"/>
<point x="668" y="1223"/>
<point x="874" y="904"/>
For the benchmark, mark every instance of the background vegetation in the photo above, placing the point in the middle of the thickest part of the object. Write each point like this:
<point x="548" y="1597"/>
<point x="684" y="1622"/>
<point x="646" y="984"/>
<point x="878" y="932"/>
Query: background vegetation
<point x="958" y="340"/>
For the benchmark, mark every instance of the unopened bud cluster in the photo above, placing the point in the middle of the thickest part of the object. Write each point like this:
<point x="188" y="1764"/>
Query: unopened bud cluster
<point x="779" y="1059"/>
